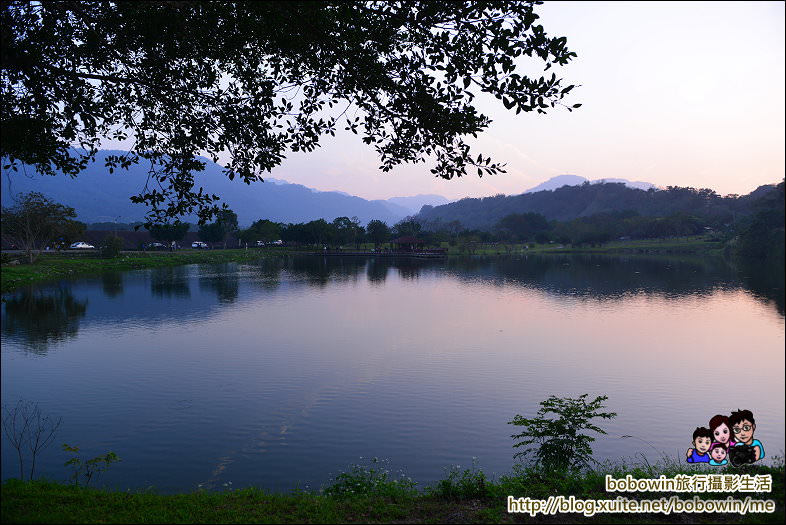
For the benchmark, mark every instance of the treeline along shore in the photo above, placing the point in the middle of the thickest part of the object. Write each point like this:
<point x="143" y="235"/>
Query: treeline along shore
<point x="749" y="227"/>
<point x="54" y="265"/>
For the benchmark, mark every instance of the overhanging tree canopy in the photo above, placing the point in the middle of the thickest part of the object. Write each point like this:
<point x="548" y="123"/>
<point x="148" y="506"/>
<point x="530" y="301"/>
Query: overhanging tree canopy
<point x="257" y="80"/>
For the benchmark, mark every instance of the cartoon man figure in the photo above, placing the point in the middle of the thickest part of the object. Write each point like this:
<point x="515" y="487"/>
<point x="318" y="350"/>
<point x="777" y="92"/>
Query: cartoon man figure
<point x="718" y="454"/>
<point x="702" y="440"/>
<point x="743" y="426"/>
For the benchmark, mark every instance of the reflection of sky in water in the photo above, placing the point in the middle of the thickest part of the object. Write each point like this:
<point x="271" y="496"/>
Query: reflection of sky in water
<point x="278" y="374"/>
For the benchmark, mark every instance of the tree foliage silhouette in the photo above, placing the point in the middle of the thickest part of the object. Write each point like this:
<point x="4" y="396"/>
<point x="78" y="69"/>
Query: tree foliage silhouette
<point x="256" y="80"/>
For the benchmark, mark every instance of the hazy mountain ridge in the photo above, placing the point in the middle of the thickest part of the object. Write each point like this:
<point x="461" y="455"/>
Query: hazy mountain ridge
<point x="574" y="180"/>
<point x="100" y="196"/>
<point x="416" y="202"/>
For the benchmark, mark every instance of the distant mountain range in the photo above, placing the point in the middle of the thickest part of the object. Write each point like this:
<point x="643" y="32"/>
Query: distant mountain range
<point x="575" y="180"/>
<point x="570" y="201"/>
<point x="98" y="196"/>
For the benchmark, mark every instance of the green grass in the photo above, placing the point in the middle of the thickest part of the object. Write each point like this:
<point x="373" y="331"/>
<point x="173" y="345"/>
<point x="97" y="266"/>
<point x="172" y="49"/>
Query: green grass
<point x="368" y="494"/>
<point x="55" y="266"/>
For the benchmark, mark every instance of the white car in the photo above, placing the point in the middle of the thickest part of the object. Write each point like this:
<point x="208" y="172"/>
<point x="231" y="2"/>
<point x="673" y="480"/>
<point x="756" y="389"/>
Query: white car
<point x="199" y="245"/>
<point x="82" y="246"/>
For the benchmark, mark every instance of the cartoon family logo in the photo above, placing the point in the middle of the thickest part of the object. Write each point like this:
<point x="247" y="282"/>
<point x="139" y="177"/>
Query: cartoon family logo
<point x="729" y="439"/>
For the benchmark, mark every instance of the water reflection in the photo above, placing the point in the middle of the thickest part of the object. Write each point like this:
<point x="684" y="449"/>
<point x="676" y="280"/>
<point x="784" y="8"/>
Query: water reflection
<point x="266" y="273"/>
<point x="319" y="271"/>
<point x="410" y="269"/>
<point x="600" y="277"/>
<point x="42" y="317"/>
<point x="171" y="281"/>
<point x="220" y="278"/>
<point x="112" y="283"/>
<point x="765" y="280"/>
<point x="377" y="271"/>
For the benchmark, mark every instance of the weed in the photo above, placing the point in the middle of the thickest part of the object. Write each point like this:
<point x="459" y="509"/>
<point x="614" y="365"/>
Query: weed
<point x="88" y="468"/>
<point x="461" y="485"/>
<point x="370" y="480"/>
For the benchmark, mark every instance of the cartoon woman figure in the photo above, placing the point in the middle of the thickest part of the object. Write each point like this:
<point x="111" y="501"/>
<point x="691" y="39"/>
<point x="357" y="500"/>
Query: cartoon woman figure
<point x="721" y="430"/>
<point x="718" y="452"/>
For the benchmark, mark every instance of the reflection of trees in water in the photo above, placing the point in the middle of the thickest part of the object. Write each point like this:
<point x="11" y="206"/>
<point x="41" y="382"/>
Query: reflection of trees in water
<point x="170" y="281"/>
<point x="377" y="271"/>
<point x="313" y="269"/>
<point x="112" y="283"/>
<point x="266" y="273"/>
<point x="602" y="276"/>
<point x="42" y="318"/>
<point x="765" y="279"/>
<point x="319" y="271"/>
<point x="220" y="278"/>
<point x="409" y="269"/>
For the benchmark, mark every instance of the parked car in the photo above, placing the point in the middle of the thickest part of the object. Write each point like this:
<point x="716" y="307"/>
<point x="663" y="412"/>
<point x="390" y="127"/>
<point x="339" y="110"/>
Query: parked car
<point x="199" y="245"/>
<point x="156" y="246"/>
<point x="261" y="243"/>
<point x="81" y="245"/>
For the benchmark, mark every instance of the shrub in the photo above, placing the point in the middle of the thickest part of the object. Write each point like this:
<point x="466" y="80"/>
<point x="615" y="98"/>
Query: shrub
<point x="560" y="443"/>
<point x="111" y="246"/>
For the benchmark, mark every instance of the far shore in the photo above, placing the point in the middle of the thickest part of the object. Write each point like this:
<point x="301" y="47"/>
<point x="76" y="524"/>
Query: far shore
<point x="56" y="265"/>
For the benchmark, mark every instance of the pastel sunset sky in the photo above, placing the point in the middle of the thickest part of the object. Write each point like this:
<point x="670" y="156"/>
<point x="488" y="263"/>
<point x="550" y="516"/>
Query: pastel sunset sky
<point x="672" y="93"/>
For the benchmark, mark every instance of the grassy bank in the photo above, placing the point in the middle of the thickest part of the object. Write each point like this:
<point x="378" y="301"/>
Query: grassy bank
<point x="54" y="266"/>
<point x="369" y="496"/>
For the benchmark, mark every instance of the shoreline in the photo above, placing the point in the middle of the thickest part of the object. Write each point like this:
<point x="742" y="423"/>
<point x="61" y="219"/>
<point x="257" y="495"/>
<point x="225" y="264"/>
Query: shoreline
<point x="53" y="266"/>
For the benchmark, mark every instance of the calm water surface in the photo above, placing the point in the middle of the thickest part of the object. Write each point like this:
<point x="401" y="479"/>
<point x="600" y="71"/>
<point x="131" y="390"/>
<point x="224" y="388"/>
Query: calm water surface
<point x="283" y="373"/>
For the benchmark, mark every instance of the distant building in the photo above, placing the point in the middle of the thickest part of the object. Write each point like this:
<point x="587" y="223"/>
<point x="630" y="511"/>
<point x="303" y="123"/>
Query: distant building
<point x="408" y="244"/>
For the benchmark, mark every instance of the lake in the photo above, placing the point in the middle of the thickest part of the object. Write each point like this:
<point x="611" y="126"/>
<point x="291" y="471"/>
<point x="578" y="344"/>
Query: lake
<point x="283" y="373"/>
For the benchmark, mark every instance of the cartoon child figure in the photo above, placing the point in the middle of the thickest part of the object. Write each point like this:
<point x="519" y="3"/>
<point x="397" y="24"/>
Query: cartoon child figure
<point x="743" y="426"/>
<point x="702" y="440"/>
<point x="721" y="430"/>
<point x="718" y="454"/>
